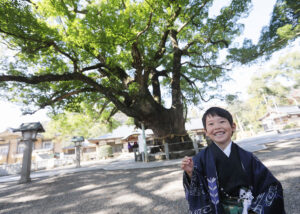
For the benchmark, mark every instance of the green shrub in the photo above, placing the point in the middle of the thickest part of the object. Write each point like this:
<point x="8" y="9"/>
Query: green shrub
<point x="290" y="126"/>
<point x="105" y="151"/>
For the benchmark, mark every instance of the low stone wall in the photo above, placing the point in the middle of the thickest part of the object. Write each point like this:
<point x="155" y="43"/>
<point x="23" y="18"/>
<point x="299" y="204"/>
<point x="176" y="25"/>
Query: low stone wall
<point x="13" y="169"/>
<point x="10" y="169"/>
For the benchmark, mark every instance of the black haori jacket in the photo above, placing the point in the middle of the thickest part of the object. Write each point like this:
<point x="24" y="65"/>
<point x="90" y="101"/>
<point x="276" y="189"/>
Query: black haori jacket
<point x="202" y="190"/>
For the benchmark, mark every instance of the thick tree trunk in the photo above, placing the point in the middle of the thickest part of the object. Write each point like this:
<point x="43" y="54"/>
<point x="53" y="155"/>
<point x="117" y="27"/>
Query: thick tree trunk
<point x="168" y="125"/>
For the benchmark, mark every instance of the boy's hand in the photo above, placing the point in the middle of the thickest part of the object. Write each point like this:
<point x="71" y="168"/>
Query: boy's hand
<point x="187" y="165"/>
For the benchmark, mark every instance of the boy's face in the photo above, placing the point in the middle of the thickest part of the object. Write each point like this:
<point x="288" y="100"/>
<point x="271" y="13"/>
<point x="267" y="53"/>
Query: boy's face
<point x="219" y="130"/>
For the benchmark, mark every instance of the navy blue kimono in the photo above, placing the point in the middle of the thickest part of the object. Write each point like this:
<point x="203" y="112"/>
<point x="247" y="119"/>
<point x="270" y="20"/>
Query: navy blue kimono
<point x="202" y="190"/>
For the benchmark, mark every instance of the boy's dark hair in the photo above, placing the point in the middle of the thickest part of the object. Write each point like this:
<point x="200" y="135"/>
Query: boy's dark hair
<point x="217" y="111"/>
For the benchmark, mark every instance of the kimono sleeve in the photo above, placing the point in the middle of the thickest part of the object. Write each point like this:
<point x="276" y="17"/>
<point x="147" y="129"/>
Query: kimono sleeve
<point x="268" y="193"/>
<point x="196" y="192"/>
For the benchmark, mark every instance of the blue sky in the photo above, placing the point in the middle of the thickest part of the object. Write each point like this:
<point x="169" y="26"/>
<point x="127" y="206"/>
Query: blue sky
<point x="10" y="114"/>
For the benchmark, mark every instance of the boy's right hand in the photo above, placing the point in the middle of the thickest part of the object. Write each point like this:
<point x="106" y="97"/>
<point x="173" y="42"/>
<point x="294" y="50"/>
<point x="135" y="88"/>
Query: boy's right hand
<point x="187" y="165"/>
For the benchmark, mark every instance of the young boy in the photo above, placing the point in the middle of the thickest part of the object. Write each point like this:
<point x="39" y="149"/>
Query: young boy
<point x="224" y="178"/>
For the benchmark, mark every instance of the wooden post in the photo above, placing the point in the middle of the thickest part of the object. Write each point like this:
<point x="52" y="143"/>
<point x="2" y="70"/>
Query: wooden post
<point x="135" y="155"/>
<point x="145" y="144"/>
<point x="166" y="145"/>
<point x="196" y="147"/>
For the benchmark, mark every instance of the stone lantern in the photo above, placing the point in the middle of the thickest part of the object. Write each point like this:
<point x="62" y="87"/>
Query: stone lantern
<point x="29" y="133"/>
<point x="78" y="142"/>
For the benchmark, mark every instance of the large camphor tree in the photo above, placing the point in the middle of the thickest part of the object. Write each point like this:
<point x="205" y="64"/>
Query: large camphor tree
<point x="125" y="55"/>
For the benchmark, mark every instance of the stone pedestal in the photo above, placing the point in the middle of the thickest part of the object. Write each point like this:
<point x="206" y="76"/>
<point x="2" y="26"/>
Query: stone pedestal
<point x="26" y="163"/>
<point x="77" y="149"/>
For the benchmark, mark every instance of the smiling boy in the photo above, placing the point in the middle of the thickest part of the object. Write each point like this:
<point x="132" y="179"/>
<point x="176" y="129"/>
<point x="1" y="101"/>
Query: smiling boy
<point x="223" y="178"/>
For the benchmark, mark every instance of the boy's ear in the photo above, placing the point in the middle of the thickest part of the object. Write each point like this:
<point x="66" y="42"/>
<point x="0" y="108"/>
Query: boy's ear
<point x="233" y="126"/>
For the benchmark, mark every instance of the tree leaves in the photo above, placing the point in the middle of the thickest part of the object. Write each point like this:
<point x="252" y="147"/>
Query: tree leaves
<point x="283" y="28"/>
<point x="127" y="53"/>
<point x="275" y="86"/>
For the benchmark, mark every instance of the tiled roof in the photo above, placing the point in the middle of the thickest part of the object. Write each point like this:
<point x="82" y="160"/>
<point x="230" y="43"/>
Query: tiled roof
<point x="281" y="111"/>
<point x="289" y="109"/>
<point x="85" y="144"/>
<point x="124" y="132"/>
<point x="119" y="132"/>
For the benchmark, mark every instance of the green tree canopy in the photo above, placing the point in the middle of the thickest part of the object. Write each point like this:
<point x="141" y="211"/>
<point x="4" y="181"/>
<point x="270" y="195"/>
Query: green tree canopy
<point x="277" y="84"/>
<point x="126" y="55"/>
<point x="283" y="28"/>
<point x="87" y="123"/>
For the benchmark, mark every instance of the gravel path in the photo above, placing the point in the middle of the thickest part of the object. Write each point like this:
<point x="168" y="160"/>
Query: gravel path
<point x="283" y="159"/>
<point x="134" y="191"/>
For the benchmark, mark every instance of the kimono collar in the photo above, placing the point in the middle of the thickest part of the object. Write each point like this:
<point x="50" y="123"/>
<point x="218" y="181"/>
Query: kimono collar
<point x="227" y="150"/>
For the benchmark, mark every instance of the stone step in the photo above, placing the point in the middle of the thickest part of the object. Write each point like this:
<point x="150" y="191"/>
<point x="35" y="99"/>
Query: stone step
<point x="172" y="155"/>
<point x="180" y="146"/>
<point x="173" y="147"/>
<point x="157" y="156"/>
<point x="182" y="153"/>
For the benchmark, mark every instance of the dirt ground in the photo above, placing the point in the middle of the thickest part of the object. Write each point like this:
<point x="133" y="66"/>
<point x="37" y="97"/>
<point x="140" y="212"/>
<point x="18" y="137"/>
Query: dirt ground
<point x="145" y="191"/>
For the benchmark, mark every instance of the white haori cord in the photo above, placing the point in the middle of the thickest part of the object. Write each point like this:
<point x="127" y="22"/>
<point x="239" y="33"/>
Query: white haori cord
<point x="246" y="197"/>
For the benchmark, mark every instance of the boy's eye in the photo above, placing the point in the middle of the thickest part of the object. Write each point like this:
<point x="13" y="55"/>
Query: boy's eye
<point x="210" y="124"/>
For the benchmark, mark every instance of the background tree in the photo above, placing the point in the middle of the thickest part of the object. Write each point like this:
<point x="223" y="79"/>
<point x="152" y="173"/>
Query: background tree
<point x="276" y="86"/>
<point x="283" y="28"/>
<point x="118" y="55"/>
<point x="240" y="112"/>
<point x="65" y="125"/>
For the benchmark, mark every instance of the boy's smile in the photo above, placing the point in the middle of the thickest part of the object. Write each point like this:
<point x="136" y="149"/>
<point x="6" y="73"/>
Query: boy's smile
<point x="219" y="130"/>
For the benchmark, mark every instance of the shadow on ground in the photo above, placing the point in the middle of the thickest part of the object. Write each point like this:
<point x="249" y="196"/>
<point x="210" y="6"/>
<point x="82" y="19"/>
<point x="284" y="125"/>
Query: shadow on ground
<point x="155" y="190"/>
<point x="138" y="191"/>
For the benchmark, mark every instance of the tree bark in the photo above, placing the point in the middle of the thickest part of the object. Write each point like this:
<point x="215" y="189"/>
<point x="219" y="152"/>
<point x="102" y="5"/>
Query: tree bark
<point x="168" y="125"/>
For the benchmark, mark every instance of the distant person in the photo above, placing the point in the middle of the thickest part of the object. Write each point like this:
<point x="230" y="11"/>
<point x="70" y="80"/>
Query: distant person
<point x="224" y="178"/>
<point x="135" y="145"/>
<point x="129" y="146"/>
